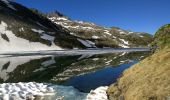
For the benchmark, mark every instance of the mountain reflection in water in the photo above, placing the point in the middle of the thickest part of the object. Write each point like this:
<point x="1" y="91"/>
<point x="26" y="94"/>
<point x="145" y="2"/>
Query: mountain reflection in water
<point x="84" y="72"/>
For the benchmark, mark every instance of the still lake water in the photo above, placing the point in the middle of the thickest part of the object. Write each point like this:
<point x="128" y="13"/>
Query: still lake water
<point x="75" y="73"/>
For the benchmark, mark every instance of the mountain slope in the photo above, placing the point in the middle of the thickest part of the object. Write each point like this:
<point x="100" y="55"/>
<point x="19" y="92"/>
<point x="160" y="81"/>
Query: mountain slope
<point x="23" y="30"/>
<point x="149" y="79"/>
<point x="101" y="36"/>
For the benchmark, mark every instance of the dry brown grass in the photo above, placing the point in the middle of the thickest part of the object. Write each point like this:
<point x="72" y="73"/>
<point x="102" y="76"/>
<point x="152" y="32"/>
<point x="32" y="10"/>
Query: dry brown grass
<point x="147" y="80"/>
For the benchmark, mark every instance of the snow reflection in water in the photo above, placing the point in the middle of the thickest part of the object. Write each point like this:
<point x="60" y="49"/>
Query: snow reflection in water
<point x="71" y="75"/>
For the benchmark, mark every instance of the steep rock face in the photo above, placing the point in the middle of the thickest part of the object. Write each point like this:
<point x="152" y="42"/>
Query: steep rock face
<point x="149" y="79"/>
<point x="101" y="36"/>
<point x="23" y="30"/>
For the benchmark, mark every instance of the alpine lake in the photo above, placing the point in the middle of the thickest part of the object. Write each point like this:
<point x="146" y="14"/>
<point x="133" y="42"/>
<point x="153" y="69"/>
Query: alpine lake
<point x="73" y="76"/>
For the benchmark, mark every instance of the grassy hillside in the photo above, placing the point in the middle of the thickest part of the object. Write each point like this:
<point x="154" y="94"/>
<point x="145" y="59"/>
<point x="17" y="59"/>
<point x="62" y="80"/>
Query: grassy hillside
<point x="149" y="79"/>
<point x="162" y="36"/>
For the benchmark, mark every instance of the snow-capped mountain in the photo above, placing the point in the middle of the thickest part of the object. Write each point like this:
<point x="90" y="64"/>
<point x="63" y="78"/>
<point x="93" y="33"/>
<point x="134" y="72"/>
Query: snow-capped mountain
<point x="23" y="30"/>
<point x="101" y="36"/>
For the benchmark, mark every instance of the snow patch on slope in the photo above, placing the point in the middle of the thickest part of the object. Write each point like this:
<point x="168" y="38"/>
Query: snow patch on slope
<point x="38" y="31"/>
<point x="95" y="37"/>
<point x="48" y="37"/>
<point x="107" y="32"/>
<point x="87" y="43"/>
<point x="124" y="44"/>
<point x="43" y="35"/>
<point x="62" y="18"/>
<point x="20" y="44"/>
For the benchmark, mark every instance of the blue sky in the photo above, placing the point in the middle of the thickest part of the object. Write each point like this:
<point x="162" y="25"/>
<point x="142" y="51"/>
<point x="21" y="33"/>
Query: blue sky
<point x="135" y="15"/>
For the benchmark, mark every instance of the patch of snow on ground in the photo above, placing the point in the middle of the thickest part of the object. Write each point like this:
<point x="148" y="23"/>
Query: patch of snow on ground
<point x="62" y="18"/>
<point x="38" y="31"/>
<point x="122" y="61"/>
<point x="121" y="32"/>
<point x="52" y="18"/>
<point x="21" y="29"/>
<point x="85" y="43"/>
<point x="48" y="37"/>
<point x="98" y="94"/>
<point x="107" y="32"/>
<point x="24" y="91"/>
<point x="75" y="27"/>
<point x="115" y="57"/>
<point x="95" y="59"/>
<point x="90" y="42"/>
<point x="95" y="37"/>
<point x="108" y="62"/>
<point x="87" y="28"/>
<point x="19" y="44"/>
<point x="114" y="37"/>
<point x="125" y="42"/>
<point x="141" y="36"/>
<point x="71" y="33"/>
<point x="123" y="46"/>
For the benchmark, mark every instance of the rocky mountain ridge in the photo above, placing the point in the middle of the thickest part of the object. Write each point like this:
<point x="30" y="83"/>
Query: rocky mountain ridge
<point x="99" y="35"/>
